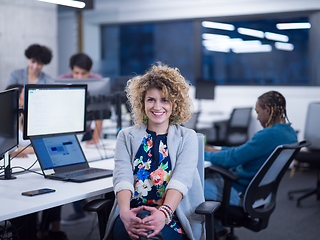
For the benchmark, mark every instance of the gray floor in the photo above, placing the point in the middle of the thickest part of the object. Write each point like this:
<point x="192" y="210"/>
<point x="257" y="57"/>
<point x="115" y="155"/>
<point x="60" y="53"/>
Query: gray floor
<point x="287" y="222"/>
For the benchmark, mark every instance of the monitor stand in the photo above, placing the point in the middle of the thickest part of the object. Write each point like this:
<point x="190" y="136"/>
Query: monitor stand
<point x="7" y="168"/>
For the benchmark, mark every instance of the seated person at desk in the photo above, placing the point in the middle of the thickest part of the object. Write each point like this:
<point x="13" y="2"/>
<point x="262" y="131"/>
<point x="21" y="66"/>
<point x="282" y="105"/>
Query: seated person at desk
<point x="156" y="161"/>
<point x="24" y="147"/>
<point x="38" y="56"/>
<point x="80" y="65"/>
<point x="245" y="160"/>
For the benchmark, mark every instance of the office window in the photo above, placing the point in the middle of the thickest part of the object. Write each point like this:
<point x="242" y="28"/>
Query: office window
<point x="232" y="56"/>
<point x="132" y="48"/>
<point x="255" y="52"/>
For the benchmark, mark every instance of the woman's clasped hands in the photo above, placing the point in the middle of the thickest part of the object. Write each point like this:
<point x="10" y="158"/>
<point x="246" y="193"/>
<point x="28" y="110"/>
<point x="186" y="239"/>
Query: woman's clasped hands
<point x="147" y="227"/>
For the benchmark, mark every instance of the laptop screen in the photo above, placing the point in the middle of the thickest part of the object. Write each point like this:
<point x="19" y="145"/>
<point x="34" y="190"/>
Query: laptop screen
<point x="58" y="151"/>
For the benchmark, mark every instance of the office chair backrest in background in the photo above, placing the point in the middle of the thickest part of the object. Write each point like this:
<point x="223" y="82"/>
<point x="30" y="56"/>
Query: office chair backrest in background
<point x="192" y="123"/>
<point x="260" y="196"/>
<point x="312" y="127"/>
<point x="201" y="157"/>
<point x="238" y="125"/>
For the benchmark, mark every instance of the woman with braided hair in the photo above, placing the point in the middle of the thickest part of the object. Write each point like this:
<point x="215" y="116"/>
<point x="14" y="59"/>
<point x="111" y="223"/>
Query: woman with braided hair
<point x="245" y="160"/>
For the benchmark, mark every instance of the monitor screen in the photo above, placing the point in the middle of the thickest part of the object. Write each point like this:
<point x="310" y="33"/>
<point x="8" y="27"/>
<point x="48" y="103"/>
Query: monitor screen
<point x="9" y="106"/>
<point x="99" y="95"/>
<point x="205" y="89"/>
<point x="54" y="109"/>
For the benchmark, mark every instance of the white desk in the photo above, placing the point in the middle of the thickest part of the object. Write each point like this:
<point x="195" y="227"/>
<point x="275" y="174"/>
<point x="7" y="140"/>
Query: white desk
<point x="13" y="204"/>
<point x="206" y="120"/>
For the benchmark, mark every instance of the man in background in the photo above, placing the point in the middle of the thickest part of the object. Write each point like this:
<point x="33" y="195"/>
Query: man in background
<point x="80" y="66"/>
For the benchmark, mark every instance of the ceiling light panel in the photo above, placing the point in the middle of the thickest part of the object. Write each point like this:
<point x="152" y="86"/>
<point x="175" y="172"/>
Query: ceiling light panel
<point x="276" y="37"/>
<point x="68" y="3"/>
<point x="217" y="25"/>
<point x="287" y="26"/>
<point x="251" y="32"/>
<point x="284" y="46"/>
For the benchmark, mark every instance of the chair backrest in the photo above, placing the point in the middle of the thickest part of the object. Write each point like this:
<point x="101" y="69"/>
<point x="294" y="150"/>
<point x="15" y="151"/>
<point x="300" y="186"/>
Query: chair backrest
<point x="312" y="127"/>
<point x="260" y="197"/>
<point x="201" y="157"/>
<point x="237" y="128"/>
<point x="192" y="123"/>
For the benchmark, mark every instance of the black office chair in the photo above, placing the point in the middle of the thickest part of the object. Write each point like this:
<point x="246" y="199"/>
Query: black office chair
<point x="311" y="156"/>
<point x="103" y="206"/>
<point x="259" y="199"/>
<point x="237" y="128"/>
<point x="231" y="132"/>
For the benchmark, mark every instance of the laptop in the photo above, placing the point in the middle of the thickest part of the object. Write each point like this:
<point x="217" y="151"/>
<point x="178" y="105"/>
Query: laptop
<point x="62" y="158"/>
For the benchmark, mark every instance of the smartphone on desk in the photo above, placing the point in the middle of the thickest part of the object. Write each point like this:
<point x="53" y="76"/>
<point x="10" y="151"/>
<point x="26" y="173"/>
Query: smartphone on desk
<point x="38" y="192"/>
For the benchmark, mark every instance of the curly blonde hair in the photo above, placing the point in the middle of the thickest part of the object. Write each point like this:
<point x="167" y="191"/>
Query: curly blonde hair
<point x="171" y="83"/>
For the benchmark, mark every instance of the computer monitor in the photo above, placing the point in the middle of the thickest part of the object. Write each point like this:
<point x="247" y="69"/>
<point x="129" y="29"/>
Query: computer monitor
<point x="51" y="109"/>
<point x="99" y="95"/>
<point x="205" y="89"/>
<point x="9" y="106"/>
<point x="9" y="125"/>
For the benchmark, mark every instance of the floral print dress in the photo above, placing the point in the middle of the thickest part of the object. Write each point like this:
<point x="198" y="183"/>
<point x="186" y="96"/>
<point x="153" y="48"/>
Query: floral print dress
<point x="152" y="171"/>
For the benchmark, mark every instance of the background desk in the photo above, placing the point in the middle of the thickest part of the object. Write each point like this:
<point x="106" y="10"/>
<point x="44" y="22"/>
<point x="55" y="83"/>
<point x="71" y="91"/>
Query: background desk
<point x="13" y="204"/>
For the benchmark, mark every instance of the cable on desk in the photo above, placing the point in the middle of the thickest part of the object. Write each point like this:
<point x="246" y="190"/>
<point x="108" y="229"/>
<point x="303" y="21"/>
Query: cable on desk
<point x="25" y="169"/>
<point x="20" y="151"/>
<point x="28" y="169"/>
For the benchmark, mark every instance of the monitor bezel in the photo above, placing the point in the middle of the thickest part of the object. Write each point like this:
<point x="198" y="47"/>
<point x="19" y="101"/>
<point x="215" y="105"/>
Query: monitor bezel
<point x="13" y="91"/>
<point x="51" y="86"/>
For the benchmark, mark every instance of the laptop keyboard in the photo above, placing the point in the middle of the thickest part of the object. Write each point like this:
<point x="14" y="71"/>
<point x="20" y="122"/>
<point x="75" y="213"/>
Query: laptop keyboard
<point x="79" y="172"/>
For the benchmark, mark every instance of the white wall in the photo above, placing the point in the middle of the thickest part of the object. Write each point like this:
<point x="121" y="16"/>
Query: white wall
<point x="67" y="39"/>
<point x="229" y="97"/>
<point x="24" y="22"/>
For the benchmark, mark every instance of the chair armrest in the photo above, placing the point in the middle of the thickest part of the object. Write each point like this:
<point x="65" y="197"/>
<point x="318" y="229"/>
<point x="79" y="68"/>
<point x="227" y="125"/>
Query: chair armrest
<point x="224" y="172"/>
<point x="97" y="205"/>
<point x="208" y="209"/>
<point x="102" y="207"/>
<point x="229" y="177"/>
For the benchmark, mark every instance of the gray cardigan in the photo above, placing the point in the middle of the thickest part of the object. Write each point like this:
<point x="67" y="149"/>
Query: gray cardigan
<point x="183" y="150"/>
<point x="20" y="76"/>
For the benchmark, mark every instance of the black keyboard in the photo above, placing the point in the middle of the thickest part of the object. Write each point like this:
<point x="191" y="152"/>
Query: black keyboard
<point x="79" y="172"/>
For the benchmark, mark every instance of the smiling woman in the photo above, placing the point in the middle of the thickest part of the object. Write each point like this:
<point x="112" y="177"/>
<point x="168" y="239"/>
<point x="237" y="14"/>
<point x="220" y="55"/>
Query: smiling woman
<point x="154" y="161"/>
<point x="174" y="87"/>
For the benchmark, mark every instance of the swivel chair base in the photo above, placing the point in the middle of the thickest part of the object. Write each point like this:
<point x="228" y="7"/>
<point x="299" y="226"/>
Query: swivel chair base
<point x="308" y="192"/>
